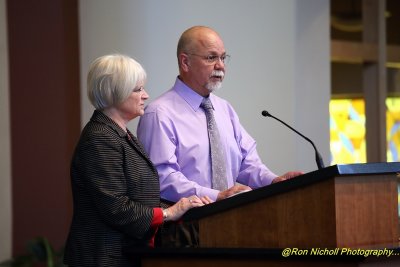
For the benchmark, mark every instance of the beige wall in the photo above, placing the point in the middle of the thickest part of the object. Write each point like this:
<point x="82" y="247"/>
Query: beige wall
<point x="280" y="62"/>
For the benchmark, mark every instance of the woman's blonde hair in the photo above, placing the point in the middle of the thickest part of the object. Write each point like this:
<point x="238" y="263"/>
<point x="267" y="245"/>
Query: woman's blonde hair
<point x="112" y="78"/>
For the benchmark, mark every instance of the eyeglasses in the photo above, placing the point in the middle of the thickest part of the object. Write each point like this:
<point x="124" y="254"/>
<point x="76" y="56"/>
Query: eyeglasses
<point x="138" y="89"/>
<point x="212" y="59"/>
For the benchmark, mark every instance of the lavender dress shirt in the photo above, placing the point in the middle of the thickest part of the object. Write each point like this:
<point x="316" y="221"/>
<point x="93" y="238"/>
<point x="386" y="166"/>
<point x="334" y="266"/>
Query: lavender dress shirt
<point x="173" y="131"/>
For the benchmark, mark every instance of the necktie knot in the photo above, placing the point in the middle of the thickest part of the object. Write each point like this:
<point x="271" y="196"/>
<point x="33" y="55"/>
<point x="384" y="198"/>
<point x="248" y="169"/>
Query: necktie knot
<point x="206" y="104"/>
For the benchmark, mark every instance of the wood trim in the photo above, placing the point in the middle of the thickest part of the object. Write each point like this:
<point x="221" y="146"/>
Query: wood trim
<point x="355" y="52"/>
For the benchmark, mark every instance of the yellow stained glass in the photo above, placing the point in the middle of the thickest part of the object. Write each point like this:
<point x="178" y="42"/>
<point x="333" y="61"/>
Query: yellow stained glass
<point x="347" y="130"/>
<point x="393" y="128"/>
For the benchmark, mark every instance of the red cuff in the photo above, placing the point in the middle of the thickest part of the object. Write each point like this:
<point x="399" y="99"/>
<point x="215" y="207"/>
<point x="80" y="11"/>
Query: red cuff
<point x="155" y="223"/>
<point x="157" y="218"/>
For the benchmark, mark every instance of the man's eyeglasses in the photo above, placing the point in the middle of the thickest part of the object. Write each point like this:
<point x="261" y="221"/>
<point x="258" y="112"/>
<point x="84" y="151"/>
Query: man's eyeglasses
<point x="212" y="59"/>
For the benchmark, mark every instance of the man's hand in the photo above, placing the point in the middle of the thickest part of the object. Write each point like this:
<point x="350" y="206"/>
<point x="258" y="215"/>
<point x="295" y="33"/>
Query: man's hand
<point x="286" y="176"/>
<point x="233" y="190"/>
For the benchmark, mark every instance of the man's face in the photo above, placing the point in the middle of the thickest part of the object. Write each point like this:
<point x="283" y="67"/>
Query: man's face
<point x="206" y="67"/>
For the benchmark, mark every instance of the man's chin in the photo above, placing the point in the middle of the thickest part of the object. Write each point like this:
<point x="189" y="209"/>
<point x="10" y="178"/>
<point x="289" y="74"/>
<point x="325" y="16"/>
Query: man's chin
<point x="214" y="87"/>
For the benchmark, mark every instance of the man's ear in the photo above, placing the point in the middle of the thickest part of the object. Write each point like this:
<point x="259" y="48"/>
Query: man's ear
<point x="184" y="62"/>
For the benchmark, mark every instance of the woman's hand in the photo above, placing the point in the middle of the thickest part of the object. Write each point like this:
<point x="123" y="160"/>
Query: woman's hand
<point x="176" y="211"/>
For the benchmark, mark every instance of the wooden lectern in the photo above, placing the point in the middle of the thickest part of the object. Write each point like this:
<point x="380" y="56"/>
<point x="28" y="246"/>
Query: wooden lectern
<point x="353" y="206"/>
<point x="341" y="206"/>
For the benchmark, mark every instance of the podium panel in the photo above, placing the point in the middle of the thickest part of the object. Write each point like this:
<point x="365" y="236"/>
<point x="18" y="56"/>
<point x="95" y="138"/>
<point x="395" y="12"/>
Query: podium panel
<point x="366" y="211"/>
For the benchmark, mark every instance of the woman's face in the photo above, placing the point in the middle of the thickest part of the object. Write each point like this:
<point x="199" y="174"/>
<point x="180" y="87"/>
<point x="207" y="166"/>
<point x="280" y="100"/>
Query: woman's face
<point x="133" y="106"/>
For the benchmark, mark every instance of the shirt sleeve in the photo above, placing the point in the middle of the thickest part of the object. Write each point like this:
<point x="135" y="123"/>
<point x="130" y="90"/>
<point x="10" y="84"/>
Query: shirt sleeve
<point x="253" y="172"/>
<point x="157" y="134"/>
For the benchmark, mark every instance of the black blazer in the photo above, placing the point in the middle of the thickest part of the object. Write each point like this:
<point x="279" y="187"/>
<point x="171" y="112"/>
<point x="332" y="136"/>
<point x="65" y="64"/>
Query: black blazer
<point x="115" y="187"/>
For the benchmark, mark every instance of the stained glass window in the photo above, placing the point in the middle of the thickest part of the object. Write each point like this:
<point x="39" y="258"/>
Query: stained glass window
<point x="347" y="130"/>
<point x="393" y="128"/>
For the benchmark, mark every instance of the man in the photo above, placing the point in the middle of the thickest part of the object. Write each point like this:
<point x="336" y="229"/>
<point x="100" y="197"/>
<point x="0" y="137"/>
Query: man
<point x="174" y="129"/>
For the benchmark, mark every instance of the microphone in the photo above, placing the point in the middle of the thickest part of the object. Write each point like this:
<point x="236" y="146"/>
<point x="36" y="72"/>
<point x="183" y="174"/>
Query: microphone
<point x="318" y="158"/>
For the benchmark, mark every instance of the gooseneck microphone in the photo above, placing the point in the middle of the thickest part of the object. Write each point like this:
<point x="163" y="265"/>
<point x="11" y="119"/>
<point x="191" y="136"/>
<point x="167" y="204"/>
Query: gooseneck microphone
<point x="318" y="157"/>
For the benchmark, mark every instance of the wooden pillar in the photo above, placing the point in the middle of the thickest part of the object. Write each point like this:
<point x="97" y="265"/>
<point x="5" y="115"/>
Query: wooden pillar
<point x="374" y="78"/>
<point x="45" y="116"/>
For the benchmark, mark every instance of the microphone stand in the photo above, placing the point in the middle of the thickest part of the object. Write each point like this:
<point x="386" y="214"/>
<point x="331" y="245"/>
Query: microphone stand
<point x="318" y="158"/>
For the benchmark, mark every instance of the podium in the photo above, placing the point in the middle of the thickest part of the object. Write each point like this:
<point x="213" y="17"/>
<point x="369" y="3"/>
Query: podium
<point x="352" y="206"/>
<point x="341" y="206"/>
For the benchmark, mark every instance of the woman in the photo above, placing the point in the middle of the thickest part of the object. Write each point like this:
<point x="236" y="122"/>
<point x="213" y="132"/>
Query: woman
<point x="114" y="184"/>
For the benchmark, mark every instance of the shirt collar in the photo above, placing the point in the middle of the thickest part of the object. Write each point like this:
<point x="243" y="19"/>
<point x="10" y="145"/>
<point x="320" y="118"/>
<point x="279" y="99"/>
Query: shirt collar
<point x="189" y="95"/>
